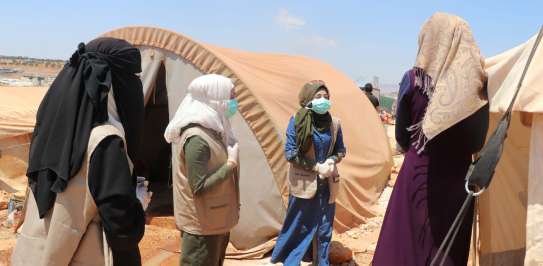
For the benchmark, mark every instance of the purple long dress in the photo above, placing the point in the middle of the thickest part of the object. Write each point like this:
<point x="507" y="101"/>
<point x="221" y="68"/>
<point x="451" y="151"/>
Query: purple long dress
<point x="429" y="190"/>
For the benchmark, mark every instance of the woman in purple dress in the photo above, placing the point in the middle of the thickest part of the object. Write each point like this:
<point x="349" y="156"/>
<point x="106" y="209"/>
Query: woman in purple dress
<point x="442" y="119"/>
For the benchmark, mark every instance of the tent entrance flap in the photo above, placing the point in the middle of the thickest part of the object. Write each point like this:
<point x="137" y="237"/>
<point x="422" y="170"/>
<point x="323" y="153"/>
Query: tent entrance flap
<point x="156" y="152"/>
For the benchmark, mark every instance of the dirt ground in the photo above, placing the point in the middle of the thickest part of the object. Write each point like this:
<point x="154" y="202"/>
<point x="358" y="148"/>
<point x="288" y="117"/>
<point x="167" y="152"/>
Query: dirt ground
<point x="361" y="241"/>
<point x="7" y="239"/>
<point x="160" y="245"/>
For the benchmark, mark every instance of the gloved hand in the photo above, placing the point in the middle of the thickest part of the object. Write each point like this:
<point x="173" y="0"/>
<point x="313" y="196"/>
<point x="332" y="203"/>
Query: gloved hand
<point x="143" y="195"/>
<point x="331" y="164"/>
<point x="233" y="154"/>
<point x="330" y="161"/>
<point x="335" y="173"/>
<point x="323" y="169"/>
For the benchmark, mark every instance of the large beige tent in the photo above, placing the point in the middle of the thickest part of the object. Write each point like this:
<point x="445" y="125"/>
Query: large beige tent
<point x="266" y="87"/>
<point x="511" y="211"/>
<point x="18" y="108"/>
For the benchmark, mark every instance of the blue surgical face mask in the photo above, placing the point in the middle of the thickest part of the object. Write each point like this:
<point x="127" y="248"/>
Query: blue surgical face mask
<point x="232" y="108"/>
<point x="320" y="105"/>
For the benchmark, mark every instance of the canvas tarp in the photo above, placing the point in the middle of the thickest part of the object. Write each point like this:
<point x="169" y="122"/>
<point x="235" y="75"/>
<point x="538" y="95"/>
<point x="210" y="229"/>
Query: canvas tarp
<point x="534" y="221"/>
<point x="266" y="87"/>
<point x="262" y="211"/>
<point x="511" y="215"/>
<point x="18" y="106"/>
<point x="13" y="163"/>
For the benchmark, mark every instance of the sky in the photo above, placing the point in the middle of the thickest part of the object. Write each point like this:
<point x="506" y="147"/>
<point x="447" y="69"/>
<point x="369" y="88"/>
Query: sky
<point x="361" y="38"/>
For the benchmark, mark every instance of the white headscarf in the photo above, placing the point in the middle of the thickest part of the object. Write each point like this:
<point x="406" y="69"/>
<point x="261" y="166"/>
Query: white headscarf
<point x="205" y="104"/>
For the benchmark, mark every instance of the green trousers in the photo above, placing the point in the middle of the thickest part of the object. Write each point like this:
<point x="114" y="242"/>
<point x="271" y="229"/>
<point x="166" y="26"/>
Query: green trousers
<point x="197" y="250"/>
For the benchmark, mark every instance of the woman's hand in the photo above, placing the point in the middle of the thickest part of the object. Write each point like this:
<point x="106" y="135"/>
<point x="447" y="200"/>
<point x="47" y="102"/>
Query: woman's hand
<point x="331" y="163"/>
<point x="325" y="169"/>
<point x="142" y="192"/>
<point x="233" y="154"/>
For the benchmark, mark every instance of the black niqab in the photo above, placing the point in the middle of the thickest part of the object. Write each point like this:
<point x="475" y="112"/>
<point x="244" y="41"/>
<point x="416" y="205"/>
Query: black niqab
<point x="75" y="103"/>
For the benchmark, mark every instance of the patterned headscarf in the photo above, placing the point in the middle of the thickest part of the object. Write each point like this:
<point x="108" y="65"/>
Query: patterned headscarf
<point x="449" y="55"/>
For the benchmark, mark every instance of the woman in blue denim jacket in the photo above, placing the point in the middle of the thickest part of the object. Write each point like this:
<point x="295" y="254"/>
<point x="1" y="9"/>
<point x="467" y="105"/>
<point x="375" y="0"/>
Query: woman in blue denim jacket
<point x="314" y="144"/>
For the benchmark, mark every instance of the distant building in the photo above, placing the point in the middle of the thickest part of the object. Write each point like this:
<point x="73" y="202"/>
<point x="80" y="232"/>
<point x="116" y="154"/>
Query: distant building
<point x="36" y="80"/>
<point x="23" y="82"/>
<point x="5" y="70"/>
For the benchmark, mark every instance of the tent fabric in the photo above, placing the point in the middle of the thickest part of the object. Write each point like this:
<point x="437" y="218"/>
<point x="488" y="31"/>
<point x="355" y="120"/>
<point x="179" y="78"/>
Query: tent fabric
<point x="504" y="71"/>
<point x="534" y="219"/>
<point x="18" y="107"/>
<point x="502" y="208"/>
<point x="510" y="214"/>
<point x="266" y="87"/>
<point x="257" y="252"/>
<point x="13" y="163"/>
<point x="261" y="207"/>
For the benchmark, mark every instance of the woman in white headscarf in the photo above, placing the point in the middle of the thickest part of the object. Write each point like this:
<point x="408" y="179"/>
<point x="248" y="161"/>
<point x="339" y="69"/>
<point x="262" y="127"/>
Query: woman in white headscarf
<point x="206" y="187"/>
<point x="442" y="119"/>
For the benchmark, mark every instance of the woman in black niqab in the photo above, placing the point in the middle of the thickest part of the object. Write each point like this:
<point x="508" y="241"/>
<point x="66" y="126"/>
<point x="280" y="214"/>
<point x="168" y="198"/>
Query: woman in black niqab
<point x="74" y="105"/>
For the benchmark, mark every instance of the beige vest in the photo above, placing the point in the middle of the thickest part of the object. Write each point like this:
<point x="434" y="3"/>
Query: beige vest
<point x="70" y="233"/>
<point x="303" y="183"/>
<point x="215" y="211"/>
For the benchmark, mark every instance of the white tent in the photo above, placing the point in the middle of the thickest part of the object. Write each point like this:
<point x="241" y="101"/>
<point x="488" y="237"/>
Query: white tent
<point x="511" y="211"/>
